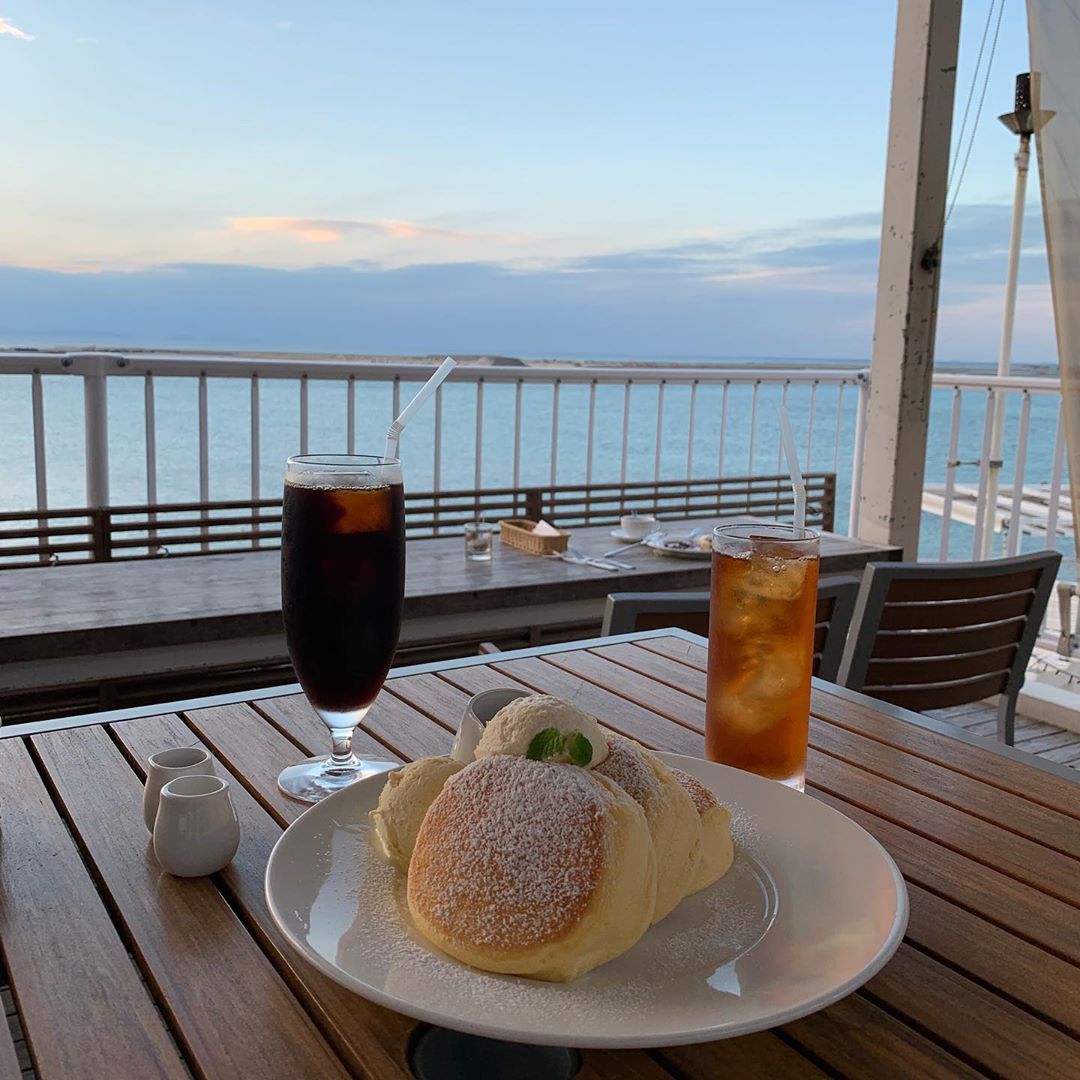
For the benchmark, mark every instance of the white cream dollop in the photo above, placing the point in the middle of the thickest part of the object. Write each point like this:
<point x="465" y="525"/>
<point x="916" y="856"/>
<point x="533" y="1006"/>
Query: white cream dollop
<point x="514" y="727"/>
<point x="404" y="801"/>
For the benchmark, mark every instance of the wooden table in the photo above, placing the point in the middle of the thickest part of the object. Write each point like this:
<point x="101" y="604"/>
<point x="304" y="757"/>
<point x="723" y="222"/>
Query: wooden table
<point x="119" y="970"/>
<point x="107" y="622"/>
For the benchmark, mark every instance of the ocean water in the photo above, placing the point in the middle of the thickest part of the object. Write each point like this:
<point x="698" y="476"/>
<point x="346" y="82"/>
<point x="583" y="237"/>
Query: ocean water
<point x="176" y="418"/>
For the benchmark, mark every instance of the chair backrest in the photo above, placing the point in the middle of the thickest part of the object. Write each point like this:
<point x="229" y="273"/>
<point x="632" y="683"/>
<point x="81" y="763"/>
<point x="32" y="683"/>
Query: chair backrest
<point x="629" y="612"/>
<point x="932" y="635"/>
<point x="835" y="605"/>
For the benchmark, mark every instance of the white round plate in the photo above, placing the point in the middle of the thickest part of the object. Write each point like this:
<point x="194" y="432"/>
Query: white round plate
<point x="626" y="538"/>
<point x="661" y="548"/>
<point x="812" y="908"/>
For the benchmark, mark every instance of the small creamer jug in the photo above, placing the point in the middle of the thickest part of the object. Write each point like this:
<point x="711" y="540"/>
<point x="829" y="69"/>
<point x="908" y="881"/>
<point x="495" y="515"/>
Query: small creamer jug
<point x="196" y="831"/>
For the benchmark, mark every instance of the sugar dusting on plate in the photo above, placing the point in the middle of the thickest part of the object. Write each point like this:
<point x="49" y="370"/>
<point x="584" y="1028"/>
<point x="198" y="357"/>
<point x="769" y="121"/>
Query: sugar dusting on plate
<point x="705" y="934"/>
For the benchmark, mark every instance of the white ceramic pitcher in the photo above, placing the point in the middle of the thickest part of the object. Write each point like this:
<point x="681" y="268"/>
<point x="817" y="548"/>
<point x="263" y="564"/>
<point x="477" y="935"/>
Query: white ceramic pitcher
<point x="196" y="831"/>
<point x="167" y="765"/>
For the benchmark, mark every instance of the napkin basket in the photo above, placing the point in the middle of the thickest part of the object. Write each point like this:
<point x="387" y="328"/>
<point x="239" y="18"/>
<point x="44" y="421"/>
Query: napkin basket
<point x="517" y="532"/>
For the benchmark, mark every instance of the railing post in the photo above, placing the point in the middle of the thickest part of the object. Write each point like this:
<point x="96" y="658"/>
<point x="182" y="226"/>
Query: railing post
<point x="40" y="469"/>
<point x="828" y="503"/>
<point x="534" y="508"/>
<point x="100" y="533"/>
<point x="863" y="385"/>
<point x="96" y="413"/>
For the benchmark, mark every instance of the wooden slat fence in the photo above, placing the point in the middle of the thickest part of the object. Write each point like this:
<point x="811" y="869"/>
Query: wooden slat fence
<point x="48" y="537"/>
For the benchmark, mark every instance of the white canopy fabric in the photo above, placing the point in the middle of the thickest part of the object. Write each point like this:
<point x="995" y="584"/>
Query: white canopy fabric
<point x="1054" y="32"/>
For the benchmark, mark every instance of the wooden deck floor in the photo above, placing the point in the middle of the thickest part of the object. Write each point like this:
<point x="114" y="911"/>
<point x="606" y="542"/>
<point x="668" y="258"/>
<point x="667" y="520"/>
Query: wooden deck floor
<point x="1045" y="740"/>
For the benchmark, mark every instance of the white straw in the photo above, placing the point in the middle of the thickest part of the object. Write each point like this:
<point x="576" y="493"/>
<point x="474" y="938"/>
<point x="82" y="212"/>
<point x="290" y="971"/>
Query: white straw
<point x="406" y="414"/>
<point x="798" y="485"/>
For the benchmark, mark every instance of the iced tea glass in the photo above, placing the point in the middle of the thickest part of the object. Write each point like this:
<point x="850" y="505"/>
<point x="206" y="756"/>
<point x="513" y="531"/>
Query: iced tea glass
<point x="761" y="644"/>
<point x="342" y="592"/>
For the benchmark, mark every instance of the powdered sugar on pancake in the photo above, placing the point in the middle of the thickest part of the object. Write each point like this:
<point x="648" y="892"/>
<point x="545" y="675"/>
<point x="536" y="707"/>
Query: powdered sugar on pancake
<point x="703" y="798"/>
<point x="511" y="852"/>
<point x="627" y="765"/>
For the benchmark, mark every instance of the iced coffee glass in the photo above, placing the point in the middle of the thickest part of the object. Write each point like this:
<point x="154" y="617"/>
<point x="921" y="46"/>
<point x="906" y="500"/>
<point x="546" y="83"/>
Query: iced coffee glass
<point x="761" y="645"/>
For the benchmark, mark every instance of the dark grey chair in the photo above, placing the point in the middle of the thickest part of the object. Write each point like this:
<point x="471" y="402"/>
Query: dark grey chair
<point x="627" y="612"/>
<point x="932" y="635"/>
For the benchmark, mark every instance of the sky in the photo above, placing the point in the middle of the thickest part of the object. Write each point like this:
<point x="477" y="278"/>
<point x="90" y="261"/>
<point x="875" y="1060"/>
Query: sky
<point x="699" y="178"/>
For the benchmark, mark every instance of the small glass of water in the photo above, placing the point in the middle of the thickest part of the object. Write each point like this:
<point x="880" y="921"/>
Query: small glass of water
<point x="478" y="540"/>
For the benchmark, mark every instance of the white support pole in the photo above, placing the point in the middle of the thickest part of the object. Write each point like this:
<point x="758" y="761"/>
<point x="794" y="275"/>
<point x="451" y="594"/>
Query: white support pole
<point x="96" y="415"/>
<point x="41" y="481"/>
<point x="1023" y="160"/>
<point x="920" y="128"/>
<point x="858" y="452"/>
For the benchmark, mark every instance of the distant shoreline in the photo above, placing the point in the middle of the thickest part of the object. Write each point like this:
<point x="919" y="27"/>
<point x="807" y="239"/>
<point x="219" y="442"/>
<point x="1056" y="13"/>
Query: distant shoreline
<point x="493" y="360"/>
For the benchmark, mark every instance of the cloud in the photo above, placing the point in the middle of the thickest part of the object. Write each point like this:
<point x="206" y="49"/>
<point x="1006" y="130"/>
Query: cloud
<point x="7" y="27"/>
<point x="329" y="230"/>
<point x="807" y="291"/>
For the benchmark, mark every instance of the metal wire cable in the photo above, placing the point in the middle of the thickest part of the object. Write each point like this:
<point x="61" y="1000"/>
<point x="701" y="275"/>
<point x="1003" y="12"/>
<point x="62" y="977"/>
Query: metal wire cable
<point x="971" y="89"/>
<point x="978" y="111"/>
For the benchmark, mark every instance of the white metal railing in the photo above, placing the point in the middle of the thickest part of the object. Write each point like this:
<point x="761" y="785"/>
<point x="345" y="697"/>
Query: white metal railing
<point x="551" y="423"/>
<point x="570" y="422"/>
<point x="1023" y="504"/>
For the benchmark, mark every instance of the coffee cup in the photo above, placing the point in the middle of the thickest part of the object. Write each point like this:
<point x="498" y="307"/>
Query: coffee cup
<point x="637" y="526"/>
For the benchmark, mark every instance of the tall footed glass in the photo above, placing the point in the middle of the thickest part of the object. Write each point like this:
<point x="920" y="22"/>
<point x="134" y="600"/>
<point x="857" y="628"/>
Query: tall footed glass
<point x="342" y="591"/>
<point x="761" y="644"/>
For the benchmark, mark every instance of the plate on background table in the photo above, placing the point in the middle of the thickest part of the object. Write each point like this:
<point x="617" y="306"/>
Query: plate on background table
<point x="811" y="908"/>
<point x="671" y="546"/>
<point x="626" y="538"/>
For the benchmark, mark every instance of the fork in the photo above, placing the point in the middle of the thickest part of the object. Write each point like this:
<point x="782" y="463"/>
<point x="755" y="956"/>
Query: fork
<point x="576" y="555"/>
<point x="637" y="543"/>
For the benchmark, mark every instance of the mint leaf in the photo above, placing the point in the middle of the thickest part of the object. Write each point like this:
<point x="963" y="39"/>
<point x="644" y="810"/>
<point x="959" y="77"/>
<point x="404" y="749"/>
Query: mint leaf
<point x="579" y="749"/>
<point x="545" y="744"/>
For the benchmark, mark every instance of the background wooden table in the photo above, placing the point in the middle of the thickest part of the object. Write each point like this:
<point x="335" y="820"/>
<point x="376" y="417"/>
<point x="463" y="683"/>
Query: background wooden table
<point x="146" y="629"/>
<point x="119" y="970"/>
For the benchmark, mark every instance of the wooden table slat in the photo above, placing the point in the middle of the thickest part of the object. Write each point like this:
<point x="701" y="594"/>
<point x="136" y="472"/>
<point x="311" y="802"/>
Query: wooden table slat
<point x="232" y="733"/>
<point x="295" y="716"/>
<point x="371" y="1039"/>
<point x="1024" y="973"/>
<point x="415" y="701"/>
<point x="248" y="746"/>
<point x="406" y="730"/>
<point x="667" y="699"/>
<point x="1020" y="858"/>
<point x="763" y="1056"/>
<point x="620" y="1065"/>
<point x="1018" y="908"/>
<point x="995" y="1033"/>
<point x="678" y="703"/>
<point x="45" y="887"/>
<point x="987" y="982"/>
<point x="859" y="1039"/>
<point x="188" y="940"/>
<point x="487" y="675"/>
<point x="433" y="696"/>
<point x="993" y="805"/>
<point x="983" y="763"/>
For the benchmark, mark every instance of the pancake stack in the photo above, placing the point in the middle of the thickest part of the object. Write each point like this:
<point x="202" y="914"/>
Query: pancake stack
<point x="555" y="849"/>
